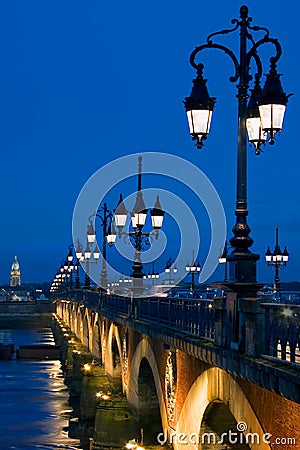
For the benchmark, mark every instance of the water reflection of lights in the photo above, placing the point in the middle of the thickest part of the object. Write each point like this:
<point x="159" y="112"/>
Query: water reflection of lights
<point x="39" y="398"/>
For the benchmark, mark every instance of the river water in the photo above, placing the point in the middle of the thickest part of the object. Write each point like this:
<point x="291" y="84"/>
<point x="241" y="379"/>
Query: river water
<point x="34" y="408"/>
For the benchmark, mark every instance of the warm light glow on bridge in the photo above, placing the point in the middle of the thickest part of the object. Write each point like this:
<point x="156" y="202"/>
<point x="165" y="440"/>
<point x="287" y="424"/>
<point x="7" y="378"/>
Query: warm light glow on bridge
<point x="103" y="396"/>
<point x="133" y="445"/>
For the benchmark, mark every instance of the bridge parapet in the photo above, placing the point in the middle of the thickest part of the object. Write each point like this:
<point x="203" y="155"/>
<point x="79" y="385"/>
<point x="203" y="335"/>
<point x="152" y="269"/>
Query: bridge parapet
<point x="282" y="331"/>
<point x="241" y="343"/>
<point x="246" y="325"/>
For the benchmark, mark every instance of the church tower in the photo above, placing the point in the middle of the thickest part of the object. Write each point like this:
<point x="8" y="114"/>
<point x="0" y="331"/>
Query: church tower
<point x="15" y="274"/>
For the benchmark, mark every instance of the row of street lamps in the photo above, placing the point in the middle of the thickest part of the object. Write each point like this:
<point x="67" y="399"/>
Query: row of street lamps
<point x="277" y="260"/>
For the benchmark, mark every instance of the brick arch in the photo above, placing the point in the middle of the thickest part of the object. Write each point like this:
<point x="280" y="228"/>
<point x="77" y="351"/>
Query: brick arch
<point x="215" y="385"/>
<point x="113" y="332"/>
<point x="85" y="328"/>
<point x="76" y="322"/>
<point x="96" y="337"/>
<point x="144" y="350"/>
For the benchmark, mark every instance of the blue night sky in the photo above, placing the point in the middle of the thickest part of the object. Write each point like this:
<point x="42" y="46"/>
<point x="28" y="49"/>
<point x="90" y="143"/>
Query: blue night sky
<point x="85" y="82"/>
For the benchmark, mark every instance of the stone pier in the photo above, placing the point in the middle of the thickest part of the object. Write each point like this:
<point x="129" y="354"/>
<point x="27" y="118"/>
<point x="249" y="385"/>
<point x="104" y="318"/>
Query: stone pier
<point x="104" y="418"/>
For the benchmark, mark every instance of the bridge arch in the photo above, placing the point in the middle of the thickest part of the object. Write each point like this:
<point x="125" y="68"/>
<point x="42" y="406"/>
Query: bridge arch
<point x="94" y="335"/>
<point x="113" y="356"/>
<point x="212" y="387"/>
<point x="86" y="328"/>
<point x="142" y="361"/>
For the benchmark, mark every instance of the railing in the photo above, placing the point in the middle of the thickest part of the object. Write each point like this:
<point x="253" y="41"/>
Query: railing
<point x="282" y="331"/>
<point x="195" y="317"/>
<point x="191" y="316"/>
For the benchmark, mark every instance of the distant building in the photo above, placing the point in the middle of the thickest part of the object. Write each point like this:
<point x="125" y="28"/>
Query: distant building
<point x="15" y="274"/>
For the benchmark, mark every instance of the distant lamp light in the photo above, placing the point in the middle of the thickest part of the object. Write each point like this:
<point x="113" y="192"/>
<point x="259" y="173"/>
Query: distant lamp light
<point x="87" y="252"/>
<point x="120" y="214"/>
<point x="78" y="250"/>
<point x="157" y="215"/>
<point x="87" y="367"/>
<point x="277" y="255"/>
<point x="91" y="234"/>
<point x="224" y="254"/>
<point x="199" y="107"/>
<point x="111" y="235"/>
<point x="285" y="255"/>
<point x="268" y="255"/>
<point x="70" y="255"/>
<point x="96" y="252"/>
<point x="139" y="213"/>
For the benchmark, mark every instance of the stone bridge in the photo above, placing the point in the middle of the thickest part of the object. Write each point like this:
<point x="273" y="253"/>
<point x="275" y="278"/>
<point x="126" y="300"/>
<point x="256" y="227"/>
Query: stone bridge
<point x="200" y="374"/>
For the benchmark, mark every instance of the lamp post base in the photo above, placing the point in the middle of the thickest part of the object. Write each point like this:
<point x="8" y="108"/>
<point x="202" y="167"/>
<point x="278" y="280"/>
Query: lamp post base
<point x="137" y="286"/>
<point x="242" y="268"/>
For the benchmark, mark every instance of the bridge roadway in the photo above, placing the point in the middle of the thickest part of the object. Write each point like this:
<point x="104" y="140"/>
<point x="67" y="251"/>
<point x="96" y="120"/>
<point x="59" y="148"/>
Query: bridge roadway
<point x="201" y="356"/>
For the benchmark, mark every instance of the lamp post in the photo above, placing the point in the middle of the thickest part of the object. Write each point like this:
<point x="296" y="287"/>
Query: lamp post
<point x="169" y="269"/>
<point x="84" y="257"/>
<point x="73" y="266"/>
<point x="79" y="259"/>
<point x="65" y="274"/>
<point x="262" y="119"/>
<point x="104" y="214"/>
<point x="223" y="260"/>
<point x="277" y="260"/>
<point x="193" y="269"/>
<point x="138" y="237"/>
<point x="152" y="275"/>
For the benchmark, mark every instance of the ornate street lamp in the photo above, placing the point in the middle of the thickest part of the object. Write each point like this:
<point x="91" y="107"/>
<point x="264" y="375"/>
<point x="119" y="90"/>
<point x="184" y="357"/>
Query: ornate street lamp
<point x="138" y="237"/>
<point x="73" y="266"/>
<point x="169" y="269"/>
<point x="84" y="257"/>
<point x="277" y="260"/>
<point x="104" y="214"/>
<point x="79" y="259"/>
<point x="152" y="275"/>
<point x="262" y="117"/>
<point x="193" y="269"/>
